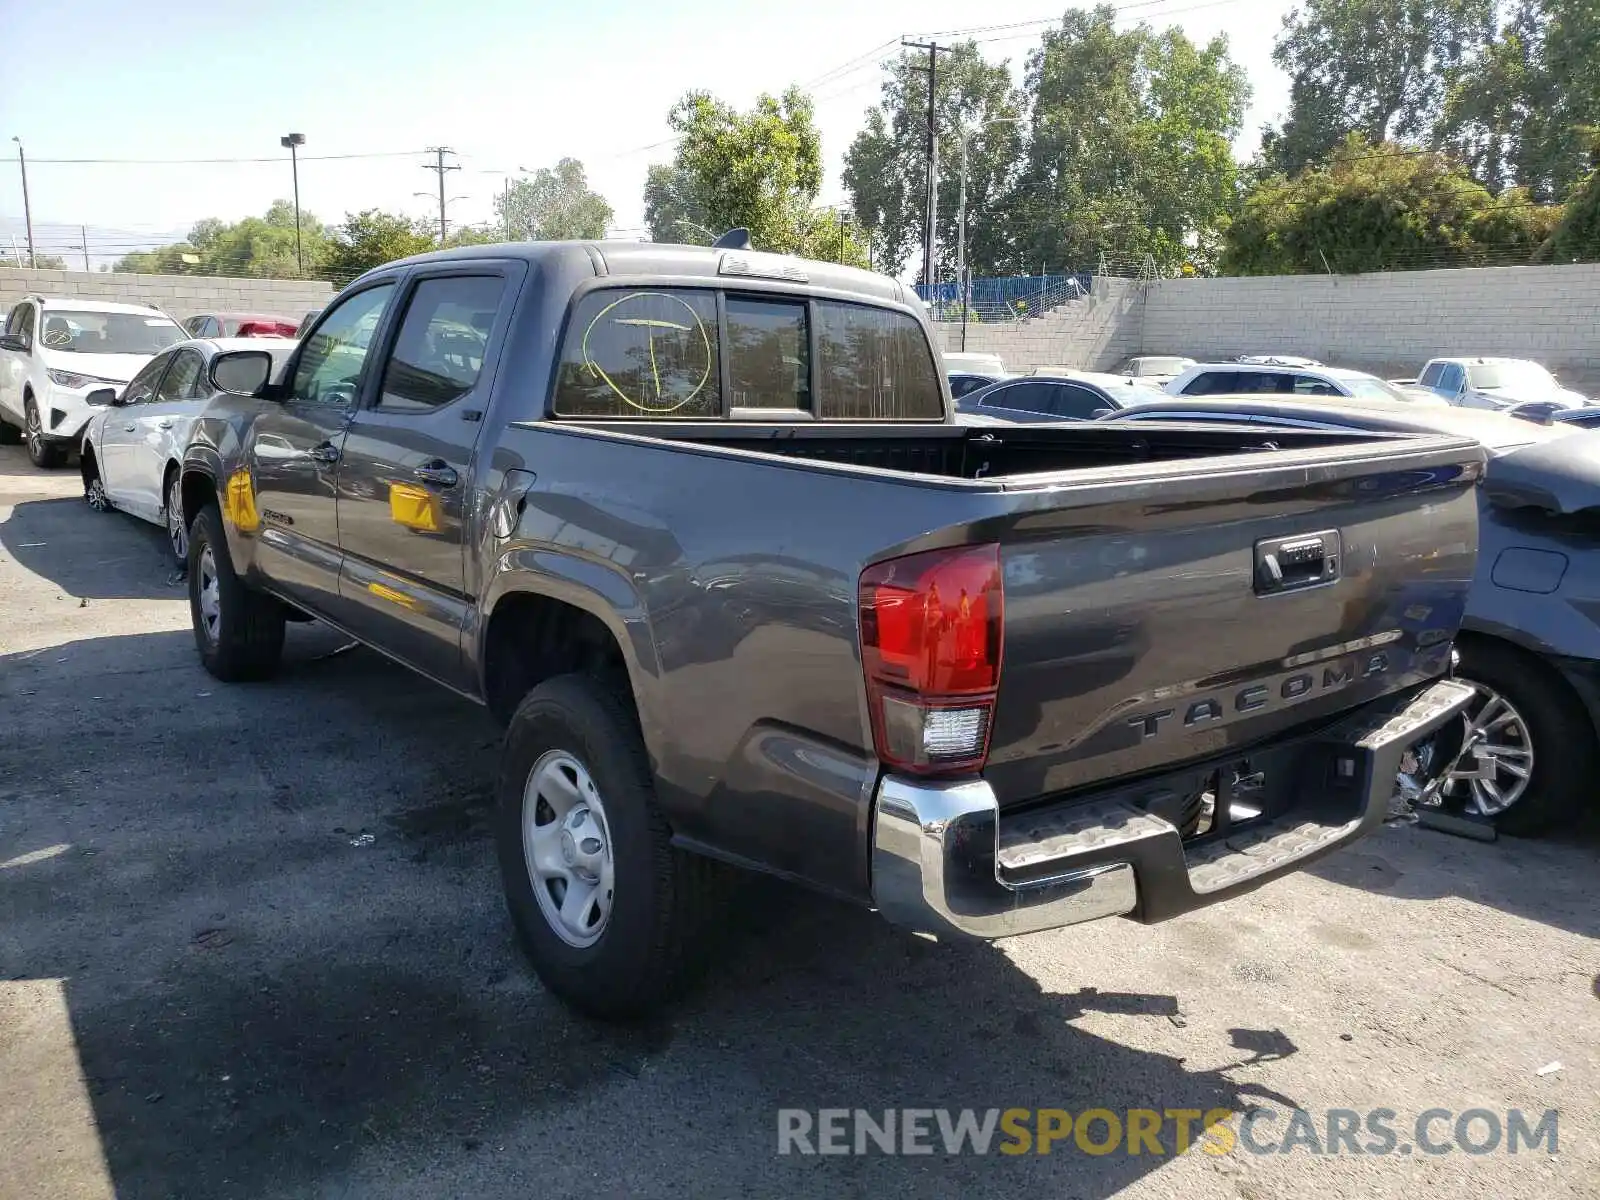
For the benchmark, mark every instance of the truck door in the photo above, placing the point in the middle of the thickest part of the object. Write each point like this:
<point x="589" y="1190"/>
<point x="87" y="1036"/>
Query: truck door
<point x="405" y="478"/>
<point x="295" y="445"/>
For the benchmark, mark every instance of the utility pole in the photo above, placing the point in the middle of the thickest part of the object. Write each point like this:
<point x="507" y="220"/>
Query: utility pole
<point x="841" y="235"/>
<point x="506" y="205"/>
<point x="439" y="152"/>
<point x="292" y="142"/>
<point x="27" y="208"/>
<point x="83" y="231"/>
<point x="931" y="218"/>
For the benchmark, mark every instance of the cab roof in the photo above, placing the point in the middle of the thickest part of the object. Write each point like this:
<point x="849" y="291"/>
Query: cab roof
<point x="74" y="304"/>
<point x="663" y="259"/>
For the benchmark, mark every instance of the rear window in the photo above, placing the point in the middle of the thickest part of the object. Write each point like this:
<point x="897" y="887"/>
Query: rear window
<point x="661" y="354"/>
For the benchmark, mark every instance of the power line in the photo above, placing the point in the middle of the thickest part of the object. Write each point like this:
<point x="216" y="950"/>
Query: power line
<point x="171" y="162"/>
<point x="439" y="166"/>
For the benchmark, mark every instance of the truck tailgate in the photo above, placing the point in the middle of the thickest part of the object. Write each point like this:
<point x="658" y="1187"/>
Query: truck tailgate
<point x="1173" y="612"/>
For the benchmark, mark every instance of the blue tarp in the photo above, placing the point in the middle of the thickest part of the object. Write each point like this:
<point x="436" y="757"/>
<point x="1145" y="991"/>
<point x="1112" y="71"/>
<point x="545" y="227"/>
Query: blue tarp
<point x="1000" y="293"/>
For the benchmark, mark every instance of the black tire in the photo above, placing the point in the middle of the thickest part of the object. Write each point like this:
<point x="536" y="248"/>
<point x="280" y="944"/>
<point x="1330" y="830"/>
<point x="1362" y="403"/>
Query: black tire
<point x="247" y="642"/>
<point x="657" y="934"/>
<point x="10" y="435"/>
<point x="1565" y="753"/>
<point x="94" y="488"/>
<point x="41" y="453"/>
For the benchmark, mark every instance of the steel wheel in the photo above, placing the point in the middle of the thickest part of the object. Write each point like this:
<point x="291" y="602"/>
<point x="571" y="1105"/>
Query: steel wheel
<point x="566" y="846"/>
<point x="1496" y="762"/>
<point x="210" y="597"/>
<point x="177" y="533"/>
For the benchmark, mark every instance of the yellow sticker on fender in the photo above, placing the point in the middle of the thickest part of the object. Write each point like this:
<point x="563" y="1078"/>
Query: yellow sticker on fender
<point x="239" y="502"/>
<point x="414" y="507"/>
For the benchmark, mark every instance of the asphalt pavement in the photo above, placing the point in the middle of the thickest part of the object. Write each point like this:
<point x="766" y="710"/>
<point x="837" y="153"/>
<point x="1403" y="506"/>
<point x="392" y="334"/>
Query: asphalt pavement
<point x="252" y="944"/>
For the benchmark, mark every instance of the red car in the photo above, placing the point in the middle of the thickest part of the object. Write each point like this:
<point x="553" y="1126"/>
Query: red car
<point x="213" y="325"/>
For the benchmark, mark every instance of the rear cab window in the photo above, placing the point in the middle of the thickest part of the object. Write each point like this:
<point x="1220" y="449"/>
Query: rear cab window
<point x="713" y="353"/>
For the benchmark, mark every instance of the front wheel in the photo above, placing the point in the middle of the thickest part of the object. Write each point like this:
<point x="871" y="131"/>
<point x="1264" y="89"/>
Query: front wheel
<point x="238" y="631"/>
<point x="41" y="453"/>
<point x="610" y="914"/>
<point x="1529" y="749"/>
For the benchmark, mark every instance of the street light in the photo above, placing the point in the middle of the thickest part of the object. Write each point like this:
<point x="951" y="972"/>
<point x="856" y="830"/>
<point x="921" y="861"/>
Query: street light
<point x="963" y="288"/>
<point x="292" y="142"/>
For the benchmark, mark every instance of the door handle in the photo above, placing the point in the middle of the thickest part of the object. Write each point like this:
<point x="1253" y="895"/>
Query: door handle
<point x="129" y="428"/>
<point x="163" y="424"/>
<point x="439" y="473"/>
<point x="326" y="452"/>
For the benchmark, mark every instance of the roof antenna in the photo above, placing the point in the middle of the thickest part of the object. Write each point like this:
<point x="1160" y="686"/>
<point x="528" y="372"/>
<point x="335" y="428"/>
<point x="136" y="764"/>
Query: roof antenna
<point x="735" y="239"/>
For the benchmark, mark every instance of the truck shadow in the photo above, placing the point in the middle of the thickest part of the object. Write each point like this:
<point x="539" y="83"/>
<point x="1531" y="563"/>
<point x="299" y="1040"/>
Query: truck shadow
<point x="91" y="555"/>
<point x="276" y="913"/>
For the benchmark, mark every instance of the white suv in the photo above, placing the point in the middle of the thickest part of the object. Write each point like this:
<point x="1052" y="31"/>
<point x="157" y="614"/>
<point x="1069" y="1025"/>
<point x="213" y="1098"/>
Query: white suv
<point x="53" y="353"/>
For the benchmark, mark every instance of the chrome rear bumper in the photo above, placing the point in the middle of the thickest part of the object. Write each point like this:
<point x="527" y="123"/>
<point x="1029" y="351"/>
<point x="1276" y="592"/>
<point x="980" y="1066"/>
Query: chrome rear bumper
<point x="945" y="861"/>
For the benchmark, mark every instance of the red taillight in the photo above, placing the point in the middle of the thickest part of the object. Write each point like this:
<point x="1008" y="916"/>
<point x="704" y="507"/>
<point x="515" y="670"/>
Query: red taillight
<point x="931" y="633"/>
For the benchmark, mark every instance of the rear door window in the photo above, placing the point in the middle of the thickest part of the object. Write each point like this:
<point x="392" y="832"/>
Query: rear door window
<point x="1021" y="397"/>
<point x="646" y="354"/>
<point x="1211" y="383"/>
<point x="769" y="354"/>
<point x="439" y="352"/>
<point x="1074" y="400"/>
<point x="874" y="364"/>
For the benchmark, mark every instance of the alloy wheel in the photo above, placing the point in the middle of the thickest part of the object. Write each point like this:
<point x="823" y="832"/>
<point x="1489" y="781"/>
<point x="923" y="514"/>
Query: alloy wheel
<point x="177" y="535"/>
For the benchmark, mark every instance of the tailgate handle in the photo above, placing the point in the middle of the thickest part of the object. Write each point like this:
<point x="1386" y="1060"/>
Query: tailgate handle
<point x="1289" y="564"/>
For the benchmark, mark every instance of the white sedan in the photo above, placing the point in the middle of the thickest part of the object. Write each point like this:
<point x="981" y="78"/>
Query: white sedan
<point x="133" y="445"/>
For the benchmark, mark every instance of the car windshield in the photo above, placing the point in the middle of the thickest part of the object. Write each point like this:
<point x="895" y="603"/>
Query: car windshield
<point x="1521" y="375"/>
<point x="69" y="332"/>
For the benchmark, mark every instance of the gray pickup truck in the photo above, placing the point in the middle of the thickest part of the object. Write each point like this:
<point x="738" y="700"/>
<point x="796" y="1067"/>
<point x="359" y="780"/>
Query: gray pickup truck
<point x="698" y="525"/>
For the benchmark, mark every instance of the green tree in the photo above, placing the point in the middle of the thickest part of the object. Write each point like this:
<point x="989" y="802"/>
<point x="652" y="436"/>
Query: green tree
<point x="1129" y="146"/>
<point x="761" y="169"/>
<point x="554" y="204"/>
<point x="1577" y="237"/>
<point x="263" y="247"/>
<point x="1373" y="208"/>
<point x="1378" y="68"/>
<point x="885" y="169"/>
<point x="672" y="210"/>
<point x="371" y="238"/>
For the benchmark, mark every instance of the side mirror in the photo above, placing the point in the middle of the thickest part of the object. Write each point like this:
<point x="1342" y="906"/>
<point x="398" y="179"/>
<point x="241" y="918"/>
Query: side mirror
<point x="101" y="398"/>
<point x="241" y="372"/>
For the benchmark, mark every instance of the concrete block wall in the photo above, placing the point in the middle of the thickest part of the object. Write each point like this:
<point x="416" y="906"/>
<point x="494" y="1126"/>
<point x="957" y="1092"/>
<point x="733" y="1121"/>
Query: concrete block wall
<point x="179" y="296"/>
<point x="1092" y="334"/>
<point x="1388" y="323"/>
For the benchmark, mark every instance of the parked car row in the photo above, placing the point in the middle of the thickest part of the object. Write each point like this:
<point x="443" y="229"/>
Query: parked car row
<point x="56" y="352"/>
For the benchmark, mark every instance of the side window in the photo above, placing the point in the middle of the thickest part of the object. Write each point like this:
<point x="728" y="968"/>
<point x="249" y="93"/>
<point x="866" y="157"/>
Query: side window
<point x="21" y="314"/>
<point x="438" y="354"/>
<point x="1452" y="377"/>
<point x="192" y="326"/>
<point x="874" y="364"/>
<point x="640" y="354"/>
<point x="1025" y="397"/>
<point x="1210" y="383"/>
<point x="144" y="383"/>
<point x="1310" y="385"/>
<point x="1078" y="402"/>
<point x="769" y="354"/>
<point x="331" y="364"/>
<point x="1430" y="375"/>
<point x="181" y="380"/>
<point x="25" y="323"/>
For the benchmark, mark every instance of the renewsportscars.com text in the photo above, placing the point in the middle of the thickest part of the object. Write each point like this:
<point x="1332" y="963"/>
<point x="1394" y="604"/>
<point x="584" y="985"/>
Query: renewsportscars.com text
<point x="1171" y="1131"/>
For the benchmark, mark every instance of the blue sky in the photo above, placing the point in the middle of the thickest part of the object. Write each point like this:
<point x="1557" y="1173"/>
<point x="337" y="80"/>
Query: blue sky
<point x="507" y="83"/>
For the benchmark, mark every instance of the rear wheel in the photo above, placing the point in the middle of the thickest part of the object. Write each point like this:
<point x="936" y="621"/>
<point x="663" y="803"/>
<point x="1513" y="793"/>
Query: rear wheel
<point x="41" y="453"/>
<point x="177" y="531"/>
<point x="94" y="488"/>
<point x="611" y="915"/>
<point x="238" y="631"/>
